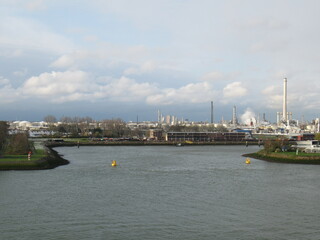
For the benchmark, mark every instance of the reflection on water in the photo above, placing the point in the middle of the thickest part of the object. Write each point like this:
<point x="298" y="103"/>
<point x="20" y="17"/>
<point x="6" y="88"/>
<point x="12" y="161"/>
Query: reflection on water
<point x="161" y="192"/>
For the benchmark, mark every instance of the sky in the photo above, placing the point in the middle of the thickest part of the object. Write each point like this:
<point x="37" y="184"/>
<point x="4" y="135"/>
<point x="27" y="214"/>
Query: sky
<point x="130" y="58"/>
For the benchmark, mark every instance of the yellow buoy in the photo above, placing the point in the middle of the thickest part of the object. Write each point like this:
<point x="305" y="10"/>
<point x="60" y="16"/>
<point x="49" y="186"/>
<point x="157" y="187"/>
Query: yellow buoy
<point x="248" y="161"/>
<point x="114" y="163"/>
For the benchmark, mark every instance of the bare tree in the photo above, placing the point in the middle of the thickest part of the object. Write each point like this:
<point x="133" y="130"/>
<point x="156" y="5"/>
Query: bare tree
<point x="115" y="127"/>
<point x="50" y="119"/>
<point x="66" y="119"/>
<point x="4" y="126"/>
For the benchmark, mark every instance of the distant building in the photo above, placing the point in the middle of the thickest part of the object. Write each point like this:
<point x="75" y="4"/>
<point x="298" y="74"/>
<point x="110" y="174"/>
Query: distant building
<point x="310" y="146"/>
<point x="206" y="136"/>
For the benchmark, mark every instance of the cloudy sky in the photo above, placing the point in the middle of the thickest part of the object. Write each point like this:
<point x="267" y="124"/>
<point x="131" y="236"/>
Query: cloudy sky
<point x="129" y="58"/>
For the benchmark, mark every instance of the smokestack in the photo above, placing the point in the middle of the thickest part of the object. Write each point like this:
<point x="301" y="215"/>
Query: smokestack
<point x="284" y="110"/>
<point x="234" y="116"/>
<point x="211" y="112"/>
<point x="159" y="118"/>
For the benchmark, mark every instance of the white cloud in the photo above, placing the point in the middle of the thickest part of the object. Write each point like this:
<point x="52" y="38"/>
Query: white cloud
<point x="78" y="85"/>
<point x="234" y="90"/>
<point x="4" y="81"/>
<point x="56" y="86"/>
<point x="134" y="47"/>
<point x="109" y="56"/>
<point x="146" y="67"/>
<point x="300" y="97"/>
<point x="213" y="76"/>
<point x="191" y="93"/>
<point x="81" y="86"/>
<point x="21" y="34"/>
<point x="65" y="61"/>
<point x="7" y="93"/>
<point x="271" y="90"/>
<point x="126" y="89"/>
<point x="272" y="97"/>
<point x="21" y="73"/>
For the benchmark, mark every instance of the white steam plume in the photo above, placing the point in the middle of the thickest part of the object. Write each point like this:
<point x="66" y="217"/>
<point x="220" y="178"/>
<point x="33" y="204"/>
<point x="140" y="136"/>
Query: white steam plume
<point x="248" y="117"/>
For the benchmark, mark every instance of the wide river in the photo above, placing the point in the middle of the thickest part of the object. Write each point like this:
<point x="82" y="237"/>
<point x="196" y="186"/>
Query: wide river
<point x="161" y="192"/>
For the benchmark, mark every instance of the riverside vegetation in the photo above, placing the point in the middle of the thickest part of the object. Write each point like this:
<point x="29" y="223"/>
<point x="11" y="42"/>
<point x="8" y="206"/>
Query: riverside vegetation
<point x="16" y="148"/>
<point x="281" y="151"/>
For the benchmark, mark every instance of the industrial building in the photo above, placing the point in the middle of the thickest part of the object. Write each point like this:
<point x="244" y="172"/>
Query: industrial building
<point x="205" y="136"/>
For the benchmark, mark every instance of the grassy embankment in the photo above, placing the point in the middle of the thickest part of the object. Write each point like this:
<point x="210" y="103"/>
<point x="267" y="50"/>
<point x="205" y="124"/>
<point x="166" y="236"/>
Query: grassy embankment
<point x="40" y="159"/>
<point x="38" y="154"/>
<point x="286" y="157"/>
<point x="21" y="161"/>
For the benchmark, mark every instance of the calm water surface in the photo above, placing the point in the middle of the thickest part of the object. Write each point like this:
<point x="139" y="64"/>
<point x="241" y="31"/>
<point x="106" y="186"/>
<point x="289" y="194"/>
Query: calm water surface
<point x="161" y="192"/>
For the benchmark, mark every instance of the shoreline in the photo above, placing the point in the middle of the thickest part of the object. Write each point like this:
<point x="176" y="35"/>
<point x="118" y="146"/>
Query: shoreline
<point x="51" y="161"/>
<point x="146" y="143"/>
<point x="285" y="160"/>
<point x="54" y="159"/>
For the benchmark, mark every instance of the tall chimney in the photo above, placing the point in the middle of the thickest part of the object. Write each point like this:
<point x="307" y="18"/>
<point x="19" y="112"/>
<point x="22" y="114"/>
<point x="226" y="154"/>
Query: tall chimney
<point x="234" y="116"/>
<point x="211" y="111"/>
<point x="284" y="110"/>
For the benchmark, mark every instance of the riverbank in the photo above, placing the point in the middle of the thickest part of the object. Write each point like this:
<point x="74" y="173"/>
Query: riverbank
<point x="70" y="143"/>
<point x="51" y="159"/>
<point x="286" y="157"/>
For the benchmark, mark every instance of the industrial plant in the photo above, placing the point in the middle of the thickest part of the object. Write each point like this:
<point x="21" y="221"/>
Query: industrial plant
<point x="171" y="128"/>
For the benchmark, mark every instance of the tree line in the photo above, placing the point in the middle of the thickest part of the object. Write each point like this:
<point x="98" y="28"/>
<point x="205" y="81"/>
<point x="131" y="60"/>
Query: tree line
<point x="17" y="143"/>
<point x="112" y="128"/>
<point x="82" y="127"/>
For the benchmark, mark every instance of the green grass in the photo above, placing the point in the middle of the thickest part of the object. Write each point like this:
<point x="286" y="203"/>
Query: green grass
<point x="287" y="157"/>
<point x="302" y="154"/>
<point x="41" y="159"/>
<point x="38" y="154"/>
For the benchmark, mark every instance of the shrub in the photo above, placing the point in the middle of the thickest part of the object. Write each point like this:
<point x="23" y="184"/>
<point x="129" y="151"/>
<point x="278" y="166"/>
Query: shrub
<point x="277" y="145"/>
<point x="4" y="126"/>
<point x="19" y="144"/>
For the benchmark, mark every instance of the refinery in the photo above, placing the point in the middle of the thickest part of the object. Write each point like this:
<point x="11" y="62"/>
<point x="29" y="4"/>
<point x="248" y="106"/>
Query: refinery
<point x="250" y="126"/>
